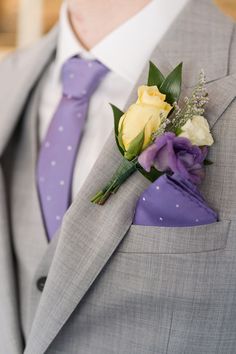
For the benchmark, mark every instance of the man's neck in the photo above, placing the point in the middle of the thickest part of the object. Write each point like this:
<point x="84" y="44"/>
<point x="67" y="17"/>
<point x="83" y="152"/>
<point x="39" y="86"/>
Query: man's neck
<point x="92" y="20"/>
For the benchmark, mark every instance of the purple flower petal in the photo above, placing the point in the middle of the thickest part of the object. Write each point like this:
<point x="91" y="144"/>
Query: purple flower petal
<point x="147" y="157"/>
<point x="170" y="153"/>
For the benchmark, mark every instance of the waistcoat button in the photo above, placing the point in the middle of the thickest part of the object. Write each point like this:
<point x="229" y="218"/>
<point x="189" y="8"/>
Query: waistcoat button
<point x="41" y="283"/>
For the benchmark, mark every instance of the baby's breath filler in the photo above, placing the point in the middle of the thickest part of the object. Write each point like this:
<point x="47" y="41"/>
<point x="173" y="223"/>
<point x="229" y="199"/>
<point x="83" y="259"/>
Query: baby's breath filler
<point x="164" y="124"/>
<point x="194" y="106"/>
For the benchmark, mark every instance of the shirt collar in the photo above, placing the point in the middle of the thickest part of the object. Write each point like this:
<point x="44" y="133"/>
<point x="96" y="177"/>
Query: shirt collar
<point x="126" y="50"/>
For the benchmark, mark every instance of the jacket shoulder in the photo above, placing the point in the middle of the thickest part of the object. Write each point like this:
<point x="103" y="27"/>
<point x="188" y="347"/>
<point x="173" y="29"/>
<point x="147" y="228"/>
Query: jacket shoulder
<point x="13" y="60"/>
<point x="20" y="58"/>
<point x="19" y="72"/>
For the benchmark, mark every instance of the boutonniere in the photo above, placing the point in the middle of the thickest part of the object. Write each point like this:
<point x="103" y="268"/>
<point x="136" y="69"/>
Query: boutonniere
<point x="156" y="136"/>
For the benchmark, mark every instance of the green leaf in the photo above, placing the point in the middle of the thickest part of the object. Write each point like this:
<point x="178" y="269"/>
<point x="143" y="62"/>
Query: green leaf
<point x="152" y="176"/>
<point x="171" y="86"/>
<point x="208" y="163"/>
<point x="178" y="131"/>
<point x="155" y="77"/>
<point x="120" y="143"/>
<point x="119" y="139"/>
<point x="117" y="116"/>
<point x="135" y="146"/>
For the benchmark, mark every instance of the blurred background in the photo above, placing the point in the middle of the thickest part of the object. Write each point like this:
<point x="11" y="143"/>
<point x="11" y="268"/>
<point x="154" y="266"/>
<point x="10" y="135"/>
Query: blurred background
<point x="24" y="21"/>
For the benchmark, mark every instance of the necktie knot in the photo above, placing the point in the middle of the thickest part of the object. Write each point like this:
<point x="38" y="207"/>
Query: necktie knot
<point x="80" y="77"/>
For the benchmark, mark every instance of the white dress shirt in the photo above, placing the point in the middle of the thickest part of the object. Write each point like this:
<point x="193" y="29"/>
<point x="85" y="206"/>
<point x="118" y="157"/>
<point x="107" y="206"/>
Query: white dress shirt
<point x="125" y="52"/>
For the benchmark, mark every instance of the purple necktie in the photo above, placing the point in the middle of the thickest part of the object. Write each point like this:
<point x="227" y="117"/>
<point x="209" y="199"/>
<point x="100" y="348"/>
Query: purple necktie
<point x="80" y="78"/>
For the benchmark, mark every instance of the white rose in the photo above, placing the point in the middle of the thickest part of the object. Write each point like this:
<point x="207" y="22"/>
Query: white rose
<point x="197" y="130"/>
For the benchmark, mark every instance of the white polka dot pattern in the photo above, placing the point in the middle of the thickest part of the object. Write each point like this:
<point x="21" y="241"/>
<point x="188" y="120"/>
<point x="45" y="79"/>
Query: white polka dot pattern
<point x="57" y="154"/>
<point x="172" y="201"/>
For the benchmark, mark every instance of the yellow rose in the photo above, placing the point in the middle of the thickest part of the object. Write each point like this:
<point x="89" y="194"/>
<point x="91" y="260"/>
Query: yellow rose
<point x="197" y="130"/>
<point x="145" y="115"/>
<point x="152" y="96"/>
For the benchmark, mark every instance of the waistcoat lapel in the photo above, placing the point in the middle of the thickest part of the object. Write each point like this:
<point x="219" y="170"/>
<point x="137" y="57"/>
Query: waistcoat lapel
<point x="29" y="237"/>
<point x="90" y="234"/>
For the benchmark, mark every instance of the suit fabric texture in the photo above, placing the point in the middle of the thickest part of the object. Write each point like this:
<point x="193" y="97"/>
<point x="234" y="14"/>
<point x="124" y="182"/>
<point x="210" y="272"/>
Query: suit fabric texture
<point x="114" y="287"/>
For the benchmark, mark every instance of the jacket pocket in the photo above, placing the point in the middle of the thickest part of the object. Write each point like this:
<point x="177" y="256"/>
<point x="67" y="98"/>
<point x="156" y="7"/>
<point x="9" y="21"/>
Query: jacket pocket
<point x="170" y="240"/>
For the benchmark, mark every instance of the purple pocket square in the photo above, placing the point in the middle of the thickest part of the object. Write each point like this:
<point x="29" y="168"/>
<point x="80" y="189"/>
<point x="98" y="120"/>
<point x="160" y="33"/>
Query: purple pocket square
<point x="172" y="201"/>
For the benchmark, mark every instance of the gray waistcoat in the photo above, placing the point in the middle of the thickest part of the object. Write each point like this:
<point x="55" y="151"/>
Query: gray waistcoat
<point x="29" y="237"/>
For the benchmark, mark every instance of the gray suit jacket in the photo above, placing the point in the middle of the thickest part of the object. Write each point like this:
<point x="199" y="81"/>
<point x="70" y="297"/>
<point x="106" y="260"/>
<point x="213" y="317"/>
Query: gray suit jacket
<point x="116" y="288"/>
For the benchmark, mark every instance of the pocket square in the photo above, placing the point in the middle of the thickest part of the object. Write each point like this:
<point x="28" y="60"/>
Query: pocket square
<point x="172" y="201"/>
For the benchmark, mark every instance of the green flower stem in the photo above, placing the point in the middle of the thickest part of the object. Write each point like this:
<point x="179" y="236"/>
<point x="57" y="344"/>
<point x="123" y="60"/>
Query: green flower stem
<point x="124" y="171"/>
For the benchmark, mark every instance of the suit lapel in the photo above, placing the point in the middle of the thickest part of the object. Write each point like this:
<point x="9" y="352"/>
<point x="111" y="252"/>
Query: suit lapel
<point x="200" y="38"/>
<point x="90" y="234"/>
<point x="222" y="93"/>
